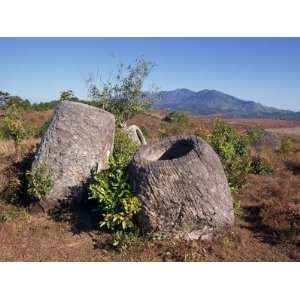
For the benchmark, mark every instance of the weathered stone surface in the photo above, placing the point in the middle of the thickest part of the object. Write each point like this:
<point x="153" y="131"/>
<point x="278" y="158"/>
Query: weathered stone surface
<point x="78" y="140"/>
<point x="268" y="140"/>
<point x="182" y="186"/>
<point x="135" y="134"/>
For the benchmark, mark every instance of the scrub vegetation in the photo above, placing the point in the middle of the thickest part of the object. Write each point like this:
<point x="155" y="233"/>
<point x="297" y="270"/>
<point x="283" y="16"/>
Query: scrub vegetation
<point x="265" y="186"/>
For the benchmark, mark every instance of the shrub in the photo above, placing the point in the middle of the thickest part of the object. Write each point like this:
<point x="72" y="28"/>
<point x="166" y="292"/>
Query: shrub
<point x="7" y="100"/>
<point x="238" y="211"/>
<point x="123" y="96"/>
<point x="117" y="204"/>
<point x="13" y="126"/>
<point x="12" y="191"/>
<point x="43" y="106"/>
<point x="124" y="148"/>
<point x="260" y="166"/>
<point x="233" y="150"/>
<point x="287" y="145"/>
<point x="14" y="181"/>
<point x="39" y="182"/>
<point x="254" y="134"/>
<point x="2" y="131"/>
<point x="68" y="96"/>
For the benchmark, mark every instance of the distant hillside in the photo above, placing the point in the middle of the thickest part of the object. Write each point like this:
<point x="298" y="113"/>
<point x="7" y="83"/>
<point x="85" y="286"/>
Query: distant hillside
<point x="212" y="102"/>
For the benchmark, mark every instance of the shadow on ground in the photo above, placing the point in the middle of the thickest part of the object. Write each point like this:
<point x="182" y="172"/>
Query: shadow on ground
<point x="78" y="213"/>
<point x="293" y="167"/>
<point x="268" y="234"/>
<point x="253" y="222"/>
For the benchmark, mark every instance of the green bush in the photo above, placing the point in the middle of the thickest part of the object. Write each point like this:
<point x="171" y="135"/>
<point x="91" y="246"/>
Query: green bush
<point x="287" y="145"/>
<point x="2" y="131"/>
<point x="233" y="150"/>
<point x="123" y="96"/>
<point x="7" y="100"/>
<point x="124" y="148"/>
<point x="39" y="182"/>
<point x="14" y="183"/>
<point x="12" y="191"/>
<point x="13" y="123"/>
<point x="255" y="134"/>
<point x="237" y="209"/>
<point x="117" y="204"/>
<point x="260" y="166"/>
<point x="43" y="106"/>
<point x="15" y="128"/>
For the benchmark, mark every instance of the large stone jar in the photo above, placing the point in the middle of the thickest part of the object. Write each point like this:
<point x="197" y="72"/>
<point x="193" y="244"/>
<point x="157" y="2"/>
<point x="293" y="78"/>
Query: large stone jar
<point x="182" y="186"/>
<point x="135" y="134"/>
<point x="79" y="139"/>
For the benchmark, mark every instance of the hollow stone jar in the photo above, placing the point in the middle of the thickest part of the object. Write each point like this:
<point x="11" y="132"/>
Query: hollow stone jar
<point x="182" y="186"/>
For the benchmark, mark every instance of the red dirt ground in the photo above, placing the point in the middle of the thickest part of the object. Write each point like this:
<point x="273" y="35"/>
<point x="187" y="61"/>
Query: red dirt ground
<point x="73" y="236"/>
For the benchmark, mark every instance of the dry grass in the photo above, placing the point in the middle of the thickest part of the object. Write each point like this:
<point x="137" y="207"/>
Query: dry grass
<point x="262" y="122"/>
<point x="267" y="229"/>
<point x="38" y="118"/>
<point x="7" y="147"/>
<point x="293" y="132"/>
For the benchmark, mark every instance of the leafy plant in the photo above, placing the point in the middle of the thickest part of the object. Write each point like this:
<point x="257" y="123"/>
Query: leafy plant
<point x="39" y="182"/>
<point x="14" y="181"/>
<point x="287" y="145"/>
<point x="238" y="211"/>
<point x="13" y="189"/>
<point x="233" y="150"/>
<point x="68" y="96"/>
<point x="13" y="126"/>
<point x="123" y="96"/>
<point x="2" y="131"/>
<point x="117" y="204"/>
<point x="255" y="134"/>
<point x="124" y="148"/>
<point x="6" y="100"/>
<point x="260" y="166"/>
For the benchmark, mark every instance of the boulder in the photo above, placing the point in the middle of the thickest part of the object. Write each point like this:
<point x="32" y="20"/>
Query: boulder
<point x="79" y="140"/>
<point x="268" y="140"/>
<point x="182" y="187"/>
<point x="135" y="134"/>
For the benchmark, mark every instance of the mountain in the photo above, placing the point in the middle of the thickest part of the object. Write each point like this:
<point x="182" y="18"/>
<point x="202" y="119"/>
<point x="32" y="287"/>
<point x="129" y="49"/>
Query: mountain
<point x="212" y="102"/>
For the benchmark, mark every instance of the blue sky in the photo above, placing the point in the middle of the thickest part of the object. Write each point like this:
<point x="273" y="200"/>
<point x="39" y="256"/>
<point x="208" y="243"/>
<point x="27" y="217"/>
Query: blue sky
<point x="266" y="70"/>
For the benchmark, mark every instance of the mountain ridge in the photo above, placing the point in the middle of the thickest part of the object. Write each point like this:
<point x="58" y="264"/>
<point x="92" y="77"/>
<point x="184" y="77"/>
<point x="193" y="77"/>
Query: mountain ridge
<point x="213" y="102"/>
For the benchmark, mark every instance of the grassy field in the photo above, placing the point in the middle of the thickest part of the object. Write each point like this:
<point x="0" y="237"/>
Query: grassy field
<point x="266" y="227"/>
<point x="291" y="131"/>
